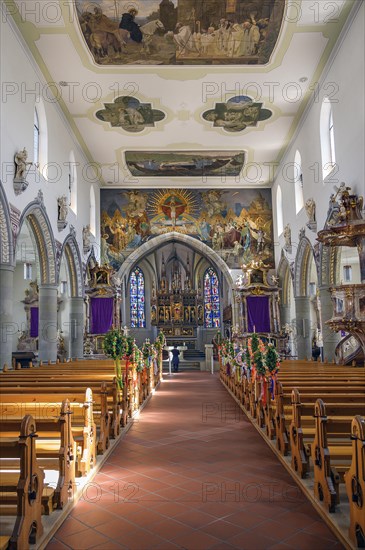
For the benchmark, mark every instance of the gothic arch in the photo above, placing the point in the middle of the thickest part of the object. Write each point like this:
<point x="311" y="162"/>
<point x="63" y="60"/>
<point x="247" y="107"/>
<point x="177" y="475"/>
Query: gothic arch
<point x="36" y="216"/>
<point x="284" y="275"/>
<point x="302" y="266"/>
<point x="162" y="240"/>
<point x="6" y="241"/>
<point x="73" y="258"/>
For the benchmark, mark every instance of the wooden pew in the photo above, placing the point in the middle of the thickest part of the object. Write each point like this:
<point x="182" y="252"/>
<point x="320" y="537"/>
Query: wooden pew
<point x="55" y="448"/>
<point x="355" y="482"/>
<point x="25" y="480"/>
<point x="83" y="426"/>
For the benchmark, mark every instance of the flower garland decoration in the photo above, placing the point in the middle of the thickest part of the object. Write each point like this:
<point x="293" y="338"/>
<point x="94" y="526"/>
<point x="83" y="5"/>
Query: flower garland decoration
<point x="115" y="346"/>
<point x="272" y="360"/>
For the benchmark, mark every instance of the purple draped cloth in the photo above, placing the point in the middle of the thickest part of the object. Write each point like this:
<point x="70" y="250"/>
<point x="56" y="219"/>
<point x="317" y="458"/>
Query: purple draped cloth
<point x="34" y="322"/>
<point x="101" y="315"/>
<point x="258" y="314"/>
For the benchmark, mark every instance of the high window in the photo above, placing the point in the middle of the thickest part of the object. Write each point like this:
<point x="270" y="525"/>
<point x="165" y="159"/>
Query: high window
<point x="92" y="211"/>
<point x="212" y="313"/>
<point x="72" y="182"/>
<point x="327" y="138"/>
<point x="36" y="133"/>
<point x="279" y="210"/>
<point x="298" y="182"/>
<point x="137" y="299"/>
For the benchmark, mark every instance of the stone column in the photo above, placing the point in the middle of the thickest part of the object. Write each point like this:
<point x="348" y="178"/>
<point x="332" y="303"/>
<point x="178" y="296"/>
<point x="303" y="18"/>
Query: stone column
<point x="330" y="339"/>
<point x="361" y="251"/>
<point x="76" y="327"/>
<point x="284" y="315"/>
<point x="7" y="325"/>
<point x="47" y="322"/>
<point x="304" y="337"/>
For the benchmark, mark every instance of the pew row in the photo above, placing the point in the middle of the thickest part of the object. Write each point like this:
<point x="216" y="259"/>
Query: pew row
<point x="21" y="488"/>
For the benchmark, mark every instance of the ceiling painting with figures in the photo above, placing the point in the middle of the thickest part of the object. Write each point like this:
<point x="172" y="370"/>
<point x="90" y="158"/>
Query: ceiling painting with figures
<point x="181" y="32"/>
<point x="235" y="224"/>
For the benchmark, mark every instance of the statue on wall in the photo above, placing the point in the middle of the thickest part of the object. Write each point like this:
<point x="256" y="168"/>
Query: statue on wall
<point x="310" y="208"/>
<point x="86" y="239"/>
<point x="287" y="237"/>
<point x="21" y="163"/>
<point x="62" y="204"/>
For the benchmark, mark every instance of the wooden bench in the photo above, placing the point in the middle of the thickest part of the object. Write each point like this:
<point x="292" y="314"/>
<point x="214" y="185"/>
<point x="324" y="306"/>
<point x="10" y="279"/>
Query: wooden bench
<point x="355" y="482"/>
<point x="21" y="478"/>
<point x="55" y="448"/>
<point x="83" y="425"/>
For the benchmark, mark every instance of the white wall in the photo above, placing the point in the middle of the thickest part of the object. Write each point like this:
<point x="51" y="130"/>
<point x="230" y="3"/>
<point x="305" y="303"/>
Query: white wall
<point x="345" y="80"/>
<point x="20" y="74"/>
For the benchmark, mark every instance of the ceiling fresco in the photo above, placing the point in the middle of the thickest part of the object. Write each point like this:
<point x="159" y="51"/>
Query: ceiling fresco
<point x="237" y="114"/>
<point x="236" y="224"/>
<point x="129" y="113"/>
<point x="185" y="163"/>
<point x="181" y="32"/>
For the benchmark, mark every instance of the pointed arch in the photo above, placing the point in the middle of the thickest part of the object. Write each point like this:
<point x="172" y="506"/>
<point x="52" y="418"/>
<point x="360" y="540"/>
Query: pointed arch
<point x="72" y="254"/>
<point x="161" y="240"/>
<point x="6" y="241"/>
<point x="302" y="267"/>
<point x="284" y="275"/>
<point x="38" y="222"/>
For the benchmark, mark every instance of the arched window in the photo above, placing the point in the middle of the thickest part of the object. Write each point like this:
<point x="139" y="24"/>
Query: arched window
<point x="72" y="182"/>
<point x="327" y="138"/>
<point x="36" y="133"/>
<point x="212" y="310"/>
<point x="298" y="182"/>
<point x="279" y="211"/>
<point x="137" y="298"/>
<point x="92" y="221"/>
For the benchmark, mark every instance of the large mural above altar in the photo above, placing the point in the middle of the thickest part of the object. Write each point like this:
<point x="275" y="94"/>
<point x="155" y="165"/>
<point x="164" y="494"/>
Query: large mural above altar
<point x="235" y="224"/>
<point x="181" y="32"/>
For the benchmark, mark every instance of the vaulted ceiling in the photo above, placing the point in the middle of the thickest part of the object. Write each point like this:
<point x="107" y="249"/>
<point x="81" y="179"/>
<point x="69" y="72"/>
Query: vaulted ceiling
<point x="179" y="103"/>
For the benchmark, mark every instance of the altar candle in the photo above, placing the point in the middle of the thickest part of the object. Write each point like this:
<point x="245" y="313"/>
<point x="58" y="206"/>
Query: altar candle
<point x="254" y="328"/>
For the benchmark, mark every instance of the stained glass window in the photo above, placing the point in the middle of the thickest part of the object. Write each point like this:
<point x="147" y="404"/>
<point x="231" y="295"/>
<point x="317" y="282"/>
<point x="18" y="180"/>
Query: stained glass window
<point x="138" y="318"/>
<point x="212" y="314"/>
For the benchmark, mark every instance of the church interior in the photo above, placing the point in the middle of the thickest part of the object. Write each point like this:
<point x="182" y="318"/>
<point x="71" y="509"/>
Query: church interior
<point x="182" y="275"/>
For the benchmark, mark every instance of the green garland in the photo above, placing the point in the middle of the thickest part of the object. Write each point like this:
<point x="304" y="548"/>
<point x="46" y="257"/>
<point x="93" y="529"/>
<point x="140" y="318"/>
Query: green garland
<point x="115" y="346"/>
<point x="254" y="342"/>
<point x="272" y="359"/>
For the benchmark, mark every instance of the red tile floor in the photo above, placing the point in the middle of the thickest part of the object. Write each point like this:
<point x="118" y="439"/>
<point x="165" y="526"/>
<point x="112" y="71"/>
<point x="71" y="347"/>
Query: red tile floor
<point x="192" y="473"/>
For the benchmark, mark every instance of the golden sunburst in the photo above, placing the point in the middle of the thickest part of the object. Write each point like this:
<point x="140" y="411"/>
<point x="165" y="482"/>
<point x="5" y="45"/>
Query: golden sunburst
<point x="159" y="198"/>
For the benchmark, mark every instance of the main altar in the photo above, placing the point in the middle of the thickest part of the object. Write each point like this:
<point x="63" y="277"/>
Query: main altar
<point x="177" y="308"/>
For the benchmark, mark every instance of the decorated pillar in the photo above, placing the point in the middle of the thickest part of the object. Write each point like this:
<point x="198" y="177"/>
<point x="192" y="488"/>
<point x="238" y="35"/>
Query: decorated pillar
<point x="7" y="327"/>
<point x="77" y="327"/>
<point x="47" y="322"/>
<point x="302" y="314"/>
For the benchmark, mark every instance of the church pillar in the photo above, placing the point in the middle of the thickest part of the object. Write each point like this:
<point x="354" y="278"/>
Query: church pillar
<point x="302" y="314"/>
<point x="7" y="326"/>
<point x="209" y="360"/>
<point x="285" y="314"/>
<point x="47" y="322"/>
<point x="330" y="339"/>
<point x="77" y="327"/>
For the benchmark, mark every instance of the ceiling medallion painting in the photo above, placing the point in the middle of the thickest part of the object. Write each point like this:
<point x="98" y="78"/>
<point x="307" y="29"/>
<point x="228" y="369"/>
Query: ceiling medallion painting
<point x="181" y="32"/>
<point x="237" y="114"/>
<point x="129" y="113"/>
<point x="185" y="163"/>
<point x="236" y="224"/>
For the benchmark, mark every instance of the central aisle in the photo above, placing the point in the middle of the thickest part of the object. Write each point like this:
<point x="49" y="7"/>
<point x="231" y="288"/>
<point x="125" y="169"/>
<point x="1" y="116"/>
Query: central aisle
<point x="193" y="473"/>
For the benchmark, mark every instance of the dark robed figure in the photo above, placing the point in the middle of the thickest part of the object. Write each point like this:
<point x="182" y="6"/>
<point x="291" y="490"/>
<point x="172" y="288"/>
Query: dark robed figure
<point x="128" y="23"/>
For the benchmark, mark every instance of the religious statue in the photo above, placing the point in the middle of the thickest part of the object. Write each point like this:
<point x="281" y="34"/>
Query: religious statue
<point x="310" y="208"/>
<point x="287" y="237"/>
<point x="21" y="163"/>
<point x="62" y="204"/>
<point x="86" y="238"/>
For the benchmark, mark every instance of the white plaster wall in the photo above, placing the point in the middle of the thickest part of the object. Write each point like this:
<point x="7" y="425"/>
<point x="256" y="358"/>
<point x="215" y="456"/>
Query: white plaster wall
<point x="344" y="79"/>
<point x="22" y="80"/>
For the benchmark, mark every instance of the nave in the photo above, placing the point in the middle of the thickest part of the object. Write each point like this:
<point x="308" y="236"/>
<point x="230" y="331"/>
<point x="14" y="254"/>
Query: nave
<point x="193" y="473"/>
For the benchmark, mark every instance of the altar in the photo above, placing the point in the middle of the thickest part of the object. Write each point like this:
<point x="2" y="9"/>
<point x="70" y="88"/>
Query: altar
<point x="180" y="348"/>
